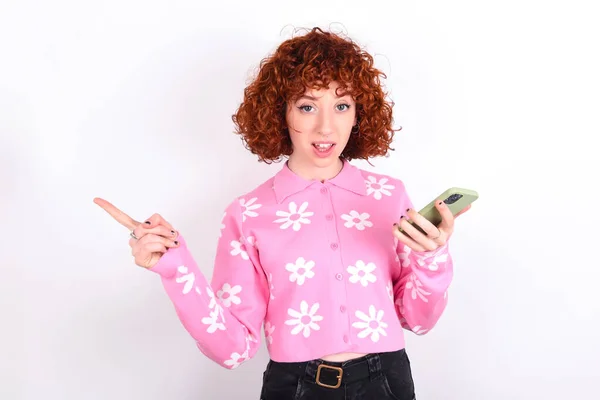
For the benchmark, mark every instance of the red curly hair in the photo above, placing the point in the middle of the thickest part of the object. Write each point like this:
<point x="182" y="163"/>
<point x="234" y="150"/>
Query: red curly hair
<point x="313" y="61"/>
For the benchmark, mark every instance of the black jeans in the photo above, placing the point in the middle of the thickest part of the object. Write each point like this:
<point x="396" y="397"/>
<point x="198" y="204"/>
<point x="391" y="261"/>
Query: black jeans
<point x="375" y="377"/>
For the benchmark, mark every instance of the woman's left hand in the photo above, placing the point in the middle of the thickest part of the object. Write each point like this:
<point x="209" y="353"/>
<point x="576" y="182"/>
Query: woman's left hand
<point x="435" y="237"/>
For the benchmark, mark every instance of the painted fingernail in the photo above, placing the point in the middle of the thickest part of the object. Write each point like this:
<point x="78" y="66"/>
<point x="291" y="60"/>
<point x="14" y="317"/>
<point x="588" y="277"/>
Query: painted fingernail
<point x="148" y="222"/>
<point x="408" y="209"/>
<point x="173" y="233"/>
<point x="176" y="243"/>
<point x="440" y="203"/>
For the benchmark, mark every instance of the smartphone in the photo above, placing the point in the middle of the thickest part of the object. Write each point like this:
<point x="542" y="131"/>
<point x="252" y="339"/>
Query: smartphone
<point x="457" y="199"/>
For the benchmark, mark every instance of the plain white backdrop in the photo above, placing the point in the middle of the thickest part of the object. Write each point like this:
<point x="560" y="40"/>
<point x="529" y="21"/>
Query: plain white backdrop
<point x="132" y="100"/>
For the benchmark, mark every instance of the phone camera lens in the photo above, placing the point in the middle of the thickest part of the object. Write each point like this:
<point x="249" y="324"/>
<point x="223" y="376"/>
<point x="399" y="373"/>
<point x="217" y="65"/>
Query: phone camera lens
<point x="453" y="198"/>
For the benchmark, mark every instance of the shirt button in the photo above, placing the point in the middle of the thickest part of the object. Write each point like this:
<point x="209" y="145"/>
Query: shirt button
<point x="329" y="217"/>
<point x="334" y="246"/>
<point x="345" y="338"/>
<point x="343" y="308"/>
<point x="323" y="190"/>
<point x="339" y="277"/>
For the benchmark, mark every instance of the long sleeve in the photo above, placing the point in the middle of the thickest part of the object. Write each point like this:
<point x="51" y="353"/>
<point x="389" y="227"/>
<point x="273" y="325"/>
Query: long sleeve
<point x="421" y="292"/>
<point x="224" y="317"/>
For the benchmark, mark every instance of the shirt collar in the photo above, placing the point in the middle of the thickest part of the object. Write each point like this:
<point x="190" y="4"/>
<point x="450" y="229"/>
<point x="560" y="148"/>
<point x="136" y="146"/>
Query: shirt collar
<point x="287" y="183"/>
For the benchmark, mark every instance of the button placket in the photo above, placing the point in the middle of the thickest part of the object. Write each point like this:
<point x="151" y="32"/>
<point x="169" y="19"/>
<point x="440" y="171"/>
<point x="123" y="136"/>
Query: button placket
<point x="337" y="265"/>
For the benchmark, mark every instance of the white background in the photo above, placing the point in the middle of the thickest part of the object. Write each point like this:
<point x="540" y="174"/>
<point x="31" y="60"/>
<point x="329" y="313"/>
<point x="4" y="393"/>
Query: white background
<point x="132" y="100"/>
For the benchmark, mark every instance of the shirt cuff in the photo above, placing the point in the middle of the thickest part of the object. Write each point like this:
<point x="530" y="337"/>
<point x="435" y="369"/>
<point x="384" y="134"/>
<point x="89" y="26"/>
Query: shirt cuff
<point x="425" y="255"/>
<point x="171" y="260"/>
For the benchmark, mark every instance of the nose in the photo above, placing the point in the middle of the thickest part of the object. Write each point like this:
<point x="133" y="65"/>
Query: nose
<point x="325" y="122"/>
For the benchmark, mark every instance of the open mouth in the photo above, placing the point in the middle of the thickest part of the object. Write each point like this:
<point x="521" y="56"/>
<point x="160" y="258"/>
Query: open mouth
<point x="323" y="147"/>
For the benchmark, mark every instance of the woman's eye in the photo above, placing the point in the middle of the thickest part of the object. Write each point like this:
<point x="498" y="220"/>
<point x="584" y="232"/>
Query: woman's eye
<point x="305" y="108"/>
<point x="343" y="107"/>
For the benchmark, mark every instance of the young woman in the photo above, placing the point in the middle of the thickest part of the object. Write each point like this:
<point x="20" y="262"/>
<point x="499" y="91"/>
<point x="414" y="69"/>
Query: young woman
<point x="314" y="255"/>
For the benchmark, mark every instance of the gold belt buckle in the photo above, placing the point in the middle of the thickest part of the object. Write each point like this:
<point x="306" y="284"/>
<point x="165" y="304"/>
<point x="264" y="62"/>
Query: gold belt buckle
<point x="339" y="377"/>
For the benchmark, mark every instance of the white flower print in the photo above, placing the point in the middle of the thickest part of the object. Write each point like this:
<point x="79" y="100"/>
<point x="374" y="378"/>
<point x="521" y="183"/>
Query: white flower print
<point x="403" y="257"/>
<point x="295" y="217"/>
<point x="301" y="270"/>
<point x="419" y="330"/>
<point x="239" y="248"/>
<point x="414" y="285"/>
<point x="212" y="321"/>
<point x="378" y="188"/>
<point x="354" y="219"/>
<point x="211" y="295"/>
<point x="362" y="273"/>
<point x="270" y="279"/>
<point x="305" y="319"/>
<point x="390" y="291"/>
<point x="222" y="224"/>
<point x="236" y="360"/>
<point x="439" y="258"/>
<point x="269" y="333"/>
<point x="214" y="304"/>
<point x="370" y="324"/>
<point x="249" y="338"/>
<point x="228" y="294"/>
<point x="249" y="208"/>
<point x="186" y="278"/>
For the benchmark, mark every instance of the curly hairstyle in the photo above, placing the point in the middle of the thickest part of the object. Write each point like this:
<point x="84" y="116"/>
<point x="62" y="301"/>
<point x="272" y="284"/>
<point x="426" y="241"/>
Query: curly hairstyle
<point x="313" y="61"/>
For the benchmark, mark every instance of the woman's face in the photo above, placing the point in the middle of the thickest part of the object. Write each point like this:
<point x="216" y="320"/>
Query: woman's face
<point x="319" y="124"/>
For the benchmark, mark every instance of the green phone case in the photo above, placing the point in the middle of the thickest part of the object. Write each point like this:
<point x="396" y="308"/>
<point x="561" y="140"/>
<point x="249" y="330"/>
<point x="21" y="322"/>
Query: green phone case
<point x="457" y="199"/>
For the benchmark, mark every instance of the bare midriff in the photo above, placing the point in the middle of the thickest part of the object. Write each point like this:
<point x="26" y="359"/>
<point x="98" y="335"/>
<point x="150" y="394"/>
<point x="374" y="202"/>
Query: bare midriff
<point x="340" y="357"/>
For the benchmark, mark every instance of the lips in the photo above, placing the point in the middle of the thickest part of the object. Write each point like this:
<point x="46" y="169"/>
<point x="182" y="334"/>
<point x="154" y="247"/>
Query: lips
<point x="323" y="149"/>
<point x="323" y="146"/>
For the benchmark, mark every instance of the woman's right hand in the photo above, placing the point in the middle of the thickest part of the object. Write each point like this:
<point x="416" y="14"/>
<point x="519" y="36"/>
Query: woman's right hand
<point x="149" y="240"/>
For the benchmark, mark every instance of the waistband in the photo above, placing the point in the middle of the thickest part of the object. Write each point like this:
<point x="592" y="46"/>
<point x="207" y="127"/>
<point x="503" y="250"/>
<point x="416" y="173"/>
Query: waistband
<point x="334" y="374"/>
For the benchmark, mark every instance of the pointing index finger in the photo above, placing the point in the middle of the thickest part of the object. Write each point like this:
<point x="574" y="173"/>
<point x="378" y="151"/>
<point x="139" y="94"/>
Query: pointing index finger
<point x="117" y="214"/>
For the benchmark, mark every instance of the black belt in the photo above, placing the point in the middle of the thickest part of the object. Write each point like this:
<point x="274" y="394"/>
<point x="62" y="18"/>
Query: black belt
<point x="334" y="374"/>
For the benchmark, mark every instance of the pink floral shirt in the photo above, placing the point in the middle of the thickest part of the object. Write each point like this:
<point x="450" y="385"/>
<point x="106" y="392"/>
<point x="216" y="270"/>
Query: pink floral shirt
<point x="313" y="264"/>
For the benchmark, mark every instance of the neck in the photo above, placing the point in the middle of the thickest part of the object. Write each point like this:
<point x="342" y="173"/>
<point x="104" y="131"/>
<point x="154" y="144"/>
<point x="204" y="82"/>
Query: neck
<point x="313" y="172"/>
